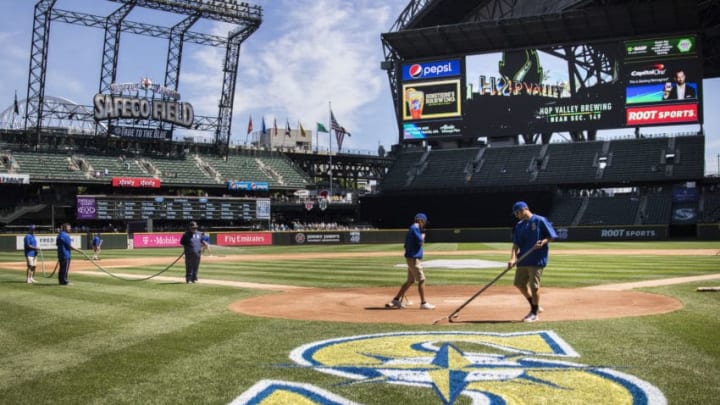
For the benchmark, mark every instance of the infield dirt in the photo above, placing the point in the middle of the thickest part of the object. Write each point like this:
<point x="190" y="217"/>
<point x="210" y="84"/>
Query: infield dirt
<point x="367" y="305"/>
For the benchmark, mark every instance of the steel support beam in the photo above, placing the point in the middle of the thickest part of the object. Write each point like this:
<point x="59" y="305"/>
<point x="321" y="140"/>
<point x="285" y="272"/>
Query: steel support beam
<point x="38" y="65"/>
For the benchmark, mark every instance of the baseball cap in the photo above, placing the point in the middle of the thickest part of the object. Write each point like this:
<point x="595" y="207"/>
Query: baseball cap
<point x="193" y="224"/>
<point x="420" y="216"/>
<point x="31" y="227"/>
<point x="518" y="206"/>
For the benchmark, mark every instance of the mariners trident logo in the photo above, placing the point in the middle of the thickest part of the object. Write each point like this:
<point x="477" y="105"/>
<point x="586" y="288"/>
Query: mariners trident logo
<point x="488" y="368"/>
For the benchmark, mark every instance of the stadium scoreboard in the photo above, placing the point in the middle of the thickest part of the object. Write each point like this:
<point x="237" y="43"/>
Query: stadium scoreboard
<point x="604" y="84"/>
<point x="102" y="207"/>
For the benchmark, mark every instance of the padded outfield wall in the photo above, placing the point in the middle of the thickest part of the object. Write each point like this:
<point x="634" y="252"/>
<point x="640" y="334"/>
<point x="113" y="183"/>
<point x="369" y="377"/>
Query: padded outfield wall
<point x="637" y="233"/>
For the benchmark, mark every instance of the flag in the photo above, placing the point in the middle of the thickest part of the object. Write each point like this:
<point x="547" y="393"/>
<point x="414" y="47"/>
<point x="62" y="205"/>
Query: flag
<point x="339" y="136"/>
<point x="264" y="130"/>
<point x="275" y="126"/>
<point x="334" y="124"/>
<point x="336" y="127"/>
<point x="250" y="126"/>
<point x="321" y="128"/>
<point x="287" y="127"/>
<point x="16" y="107"/>
<point x="302" y="130"/>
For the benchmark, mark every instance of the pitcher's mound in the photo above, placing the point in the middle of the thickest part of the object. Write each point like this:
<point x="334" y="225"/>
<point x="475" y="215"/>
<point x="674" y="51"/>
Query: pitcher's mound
<point x="497" y="304"/>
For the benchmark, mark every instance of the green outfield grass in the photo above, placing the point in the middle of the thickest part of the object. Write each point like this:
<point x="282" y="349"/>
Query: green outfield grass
<point x="104" y="340"/>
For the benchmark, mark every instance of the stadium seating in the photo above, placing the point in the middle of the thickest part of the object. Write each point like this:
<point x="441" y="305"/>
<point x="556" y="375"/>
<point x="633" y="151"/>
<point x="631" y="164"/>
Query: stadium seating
<point x="619" y="209"/>
<point x="277" y="171"/>
<point x="607" y="163"/>
<point x="117" y="166"/>
<point x="570" y="163"/>
<point x="181" y="171"/>
<point x="47" y="165"/>
<point x="710" y="205"/>
<point x="397" y="176"/>
<point x="656" y="207"/>
<point x="565" y="209"/>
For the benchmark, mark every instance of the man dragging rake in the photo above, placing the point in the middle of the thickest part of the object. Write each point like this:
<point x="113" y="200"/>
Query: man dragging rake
<point x="531" y="236"/>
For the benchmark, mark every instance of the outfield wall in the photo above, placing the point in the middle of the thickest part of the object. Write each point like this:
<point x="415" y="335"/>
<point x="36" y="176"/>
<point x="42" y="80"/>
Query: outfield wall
<point x="288" y="238"/>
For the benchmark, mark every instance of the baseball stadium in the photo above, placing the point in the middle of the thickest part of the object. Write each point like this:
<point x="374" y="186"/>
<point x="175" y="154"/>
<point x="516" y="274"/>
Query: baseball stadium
<point x="500" y="109"/>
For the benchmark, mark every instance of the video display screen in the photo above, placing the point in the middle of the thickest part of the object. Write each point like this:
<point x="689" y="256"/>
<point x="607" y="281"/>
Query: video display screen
<point x="663" y="81"/>
<point x="534" y="91"/>
<point x="573" y="87"/>
<point x="432" y="99"/>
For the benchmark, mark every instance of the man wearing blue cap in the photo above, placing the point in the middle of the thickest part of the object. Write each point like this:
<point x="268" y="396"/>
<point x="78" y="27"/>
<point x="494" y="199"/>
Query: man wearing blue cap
<point x="414" y="240"/>
<point x="193" y="245"/>
<point x="30" y="247"/>
<point x="63" y="241"/>
<point x="532" y="232"/>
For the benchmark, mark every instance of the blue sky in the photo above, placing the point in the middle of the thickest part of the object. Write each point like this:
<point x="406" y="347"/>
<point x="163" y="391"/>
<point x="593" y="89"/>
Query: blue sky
<point x="305" y="55"/>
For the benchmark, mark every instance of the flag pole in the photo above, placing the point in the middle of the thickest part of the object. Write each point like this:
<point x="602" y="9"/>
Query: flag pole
<point x="330" y="149"/>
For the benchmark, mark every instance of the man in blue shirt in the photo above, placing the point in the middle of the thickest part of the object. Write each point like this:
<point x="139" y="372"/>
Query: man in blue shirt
<point x="64" y="249"/>
<point x="30" y="247"/>
<point x="414" y="240"/>
<point x="97" y="246"/>
<point x="206" y="246"/>
<point x="532" y="232"/>
<point x="193" y="244"/>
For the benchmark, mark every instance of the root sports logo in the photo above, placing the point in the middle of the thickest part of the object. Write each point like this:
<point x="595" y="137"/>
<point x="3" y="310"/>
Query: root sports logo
<point x="487" y="368"/>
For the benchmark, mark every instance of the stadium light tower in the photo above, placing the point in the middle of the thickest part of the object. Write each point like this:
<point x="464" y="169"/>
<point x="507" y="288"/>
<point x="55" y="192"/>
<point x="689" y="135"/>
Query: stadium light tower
<point x="245" y="17"/>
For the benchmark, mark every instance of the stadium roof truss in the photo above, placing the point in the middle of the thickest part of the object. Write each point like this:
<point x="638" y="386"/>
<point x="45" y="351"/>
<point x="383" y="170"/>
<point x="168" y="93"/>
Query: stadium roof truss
<point x="438" y="28"/>
<point x="247" y="18"/>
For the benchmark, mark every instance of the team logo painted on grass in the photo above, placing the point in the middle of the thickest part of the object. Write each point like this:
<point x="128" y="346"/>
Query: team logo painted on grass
<point x="488" y="368"/>
<point x="267" y="392"/>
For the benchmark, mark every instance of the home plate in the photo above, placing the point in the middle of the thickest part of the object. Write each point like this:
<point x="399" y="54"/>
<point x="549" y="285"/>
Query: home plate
<point x="459" y="264"/>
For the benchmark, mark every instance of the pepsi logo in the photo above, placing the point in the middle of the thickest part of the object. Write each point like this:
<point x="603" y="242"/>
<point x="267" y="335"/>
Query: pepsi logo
<point x="415" y="71"/>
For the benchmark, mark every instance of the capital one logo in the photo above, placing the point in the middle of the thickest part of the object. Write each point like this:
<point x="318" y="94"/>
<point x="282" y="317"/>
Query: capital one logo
<point x="485" y="368"/>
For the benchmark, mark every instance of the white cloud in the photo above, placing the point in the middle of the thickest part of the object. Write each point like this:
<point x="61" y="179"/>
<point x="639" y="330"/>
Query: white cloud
<point x="316" y="52"/>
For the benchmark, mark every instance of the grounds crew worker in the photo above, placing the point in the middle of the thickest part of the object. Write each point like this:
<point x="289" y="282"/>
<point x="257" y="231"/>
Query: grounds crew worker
<point x="193" y="244"/>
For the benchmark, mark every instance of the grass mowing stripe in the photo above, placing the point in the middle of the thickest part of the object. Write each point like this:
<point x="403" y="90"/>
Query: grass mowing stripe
<point x="105" y="361"/>
<point x="109" y="331"/>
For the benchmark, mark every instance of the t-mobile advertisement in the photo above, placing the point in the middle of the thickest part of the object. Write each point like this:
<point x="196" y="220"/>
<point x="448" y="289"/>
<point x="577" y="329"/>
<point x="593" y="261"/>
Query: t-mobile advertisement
<point x="156" y="240"/>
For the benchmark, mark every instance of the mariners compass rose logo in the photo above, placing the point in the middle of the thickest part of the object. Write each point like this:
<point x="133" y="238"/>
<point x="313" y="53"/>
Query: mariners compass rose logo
<point x="488" y="368"/>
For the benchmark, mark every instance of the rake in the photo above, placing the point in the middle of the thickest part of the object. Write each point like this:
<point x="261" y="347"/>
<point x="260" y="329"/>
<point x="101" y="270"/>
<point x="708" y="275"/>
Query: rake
<point x="454" y="314"/>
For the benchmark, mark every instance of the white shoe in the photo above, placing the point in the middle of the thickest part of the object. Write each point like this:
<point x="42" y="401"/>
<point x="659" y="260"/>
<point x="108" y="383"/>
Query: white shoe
<point x="29" y="281"/>
<point x="395" y="304"/>
<point x="427" y="305"/>
<point x="531" y="318"/>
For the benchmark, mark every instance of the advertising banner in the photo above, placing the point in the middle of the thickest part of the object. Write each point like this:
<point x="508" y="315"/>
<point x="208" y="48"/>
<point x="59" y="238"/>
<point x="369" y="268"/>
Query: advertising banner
<point x="244" y="239"/>
<point x="135" y="182"/>
<point x="431" y="100"/>
<point x="607" y="84"/>
<point x="262" y="208"/>
<point x="156" y="240"/>
<point x="248" y="185"/>
<point x="47" y="243"/>
<point x="431" y="70"/>
<point x="14" y="178"/>
<point x="86" y="208"/>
